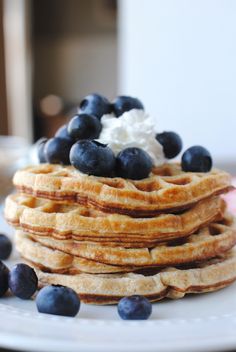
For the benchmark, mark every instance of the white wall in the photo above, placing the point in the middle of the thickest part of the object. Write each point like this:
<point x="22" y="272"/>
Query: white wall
<point x="179" y="58"/>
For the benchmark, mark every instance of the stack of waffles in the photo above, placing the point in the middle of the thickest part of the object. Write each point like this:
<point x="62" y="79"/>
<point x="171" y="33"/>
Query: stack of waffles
<point x="163" y="236"/>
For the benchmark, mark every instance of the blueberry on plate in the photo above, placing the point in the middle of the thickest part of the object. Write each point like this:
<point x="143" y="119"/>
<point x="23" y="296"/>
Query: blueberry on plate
<point x="40" y="149"/>
<point x="63" y="133"/>
<point x="196" y="159"/>
<point x="57" y="151"/>
<point x="92" y="158"/>
<point x="124" y="103"/>
<point x="5" y="247"/>
<point x="58" y="300"/>
<point x="96" y="105"/>
<point x="134" y="308"/>
<point x="133" y="163"/>
<point x="4" y="271"/>
<point x="171" y="143"/>
<point x="84" y="126"/>
<point x="23" y="281"/>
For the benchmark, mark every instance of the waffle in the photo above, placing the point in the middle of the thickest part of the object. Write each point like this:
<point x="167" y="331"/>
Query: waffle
<point x="62" y="221"/>
<point x="167" y="188"/>
<point x="209" y="242"/>
<point x="59" y="262"/>
<point x="171" y="282"/>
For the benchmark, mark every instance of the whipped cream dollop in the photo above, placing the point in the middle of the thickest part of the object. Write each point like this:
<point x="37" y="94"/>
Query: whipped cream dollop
<point x="135" y="128"/>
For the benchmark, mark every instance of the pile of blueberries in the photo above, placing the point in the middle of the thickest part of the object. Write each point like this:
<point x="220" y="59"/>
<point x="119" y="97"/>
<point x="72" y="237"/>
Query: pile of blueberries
<point x="23" y="283"/>
<point x="76" y="144"/>
<point x="21" y="279"/>
<point x="56" y="299"/>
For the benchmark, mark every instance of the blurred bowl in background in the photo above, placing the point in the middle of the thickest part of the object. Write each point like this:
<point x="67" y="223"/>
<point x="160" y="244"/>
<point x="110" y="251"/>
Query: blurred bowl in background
<point x="13" y="152"/>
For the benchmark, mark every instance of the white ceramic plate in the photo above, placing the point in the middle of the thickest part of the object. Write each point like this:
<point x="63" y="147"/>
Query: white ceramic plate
<point x="204" y="322"/>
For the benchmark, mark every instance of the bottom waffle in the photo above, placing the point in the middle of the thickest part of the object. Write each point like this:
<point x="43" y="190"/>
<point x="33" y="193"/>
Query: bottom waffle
<point x="170" y="282"/>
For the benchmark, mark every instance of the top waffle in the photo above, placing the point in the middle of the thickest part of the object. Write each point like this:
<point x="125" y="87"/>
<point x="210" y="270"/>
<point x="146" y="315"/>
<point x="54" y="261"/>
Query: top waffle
<point x="168" y="188"/>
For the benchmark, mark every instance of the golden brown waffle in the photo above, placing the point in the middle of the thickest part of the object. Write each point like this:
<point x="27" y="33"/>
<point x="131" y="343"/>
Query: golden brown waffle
<point x="209" y="242"/>
<point x="59" y="262"/>
<point x="63" y="221"/>
<point x="171" y="282"/>
<point x="167" y="188"/>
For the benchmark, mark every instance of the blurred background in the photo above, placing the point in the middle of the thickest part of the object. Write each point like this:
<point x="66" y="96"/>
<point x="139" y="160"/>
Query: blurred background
<point x="177" y="56"/>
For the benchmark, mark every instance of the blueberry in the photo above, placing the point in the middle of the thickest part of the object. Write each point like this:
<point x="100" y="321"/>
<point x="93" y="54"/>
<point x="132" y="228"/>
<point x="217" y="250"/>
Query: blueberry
<point x="5" y="247"/>
<point x="40" y="149"/>
<point x="57" y="151"/>
<point x="4" y="271"/>
<point x="171" y="142"/>
<point x="196" y="159"/>
<point x="23" y="281"/>
<point x="133" y="163"/>
<point x="84" y="126"/>
<point x="96" y="105"/>
<point x="58" y="300"/>
<point x="124" y="103"/>
<point x="92" y="158"/>
<point x="63" y="133"/>
<point x="134" y="308"/>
